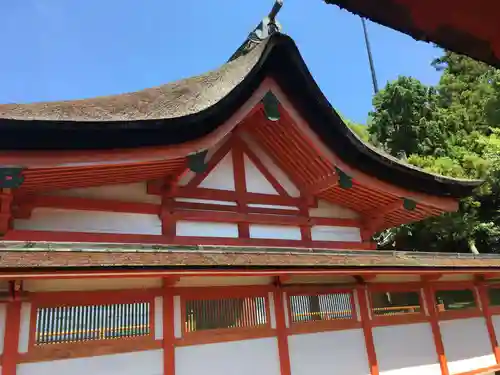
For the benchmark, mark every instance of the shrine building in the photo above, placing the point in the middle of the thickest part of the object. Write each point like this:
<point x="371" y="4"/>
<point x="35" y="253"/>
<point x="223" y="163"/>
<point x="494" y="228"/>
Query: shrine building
<point x="222" y="224"/>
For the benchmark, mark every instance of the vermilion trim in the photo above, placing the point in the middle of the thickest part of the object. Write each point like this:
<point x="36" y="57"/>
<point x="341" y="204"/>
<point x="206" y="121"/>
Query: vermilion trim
<point x="436" y="330"/>
<point x="72" y="298"/>
<point x="216" y="336"/>
<point x="10" y="357"/>
<point x="231" y="196"/>
<point x="88" y="349"/>
<point x="240" y="185"/>
<point x="245" y="150"/>
<point x="168" y="330"/>
<point x="446" y="204"/>
<point x="281" y="332"/>
<point x="485" y="304"/>
<point x="48" y="236"/>
<point x="183" y="210"/>
<point x="367" y="329"/>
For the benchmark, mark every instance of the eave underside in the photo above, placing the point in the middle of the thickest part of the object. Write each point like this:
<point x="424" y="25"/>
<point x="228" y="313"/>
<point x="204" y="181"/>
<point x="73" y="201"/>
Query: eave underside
<point x="469" y="28"/>
<point x="380" y="205"/>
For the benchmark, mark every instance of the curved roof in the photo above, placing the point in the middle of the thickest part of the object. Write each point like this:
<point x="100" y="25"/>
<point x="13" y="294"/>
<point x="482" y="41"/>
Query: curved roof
<point x="190" y="109"/>
<point x="462" y="26"/>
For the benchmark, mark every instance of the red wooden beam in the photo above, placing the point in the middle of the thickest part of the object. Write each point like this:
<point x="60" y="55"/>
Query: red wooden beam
<point x="48" y="236"/>
<point x="326" y="183"/>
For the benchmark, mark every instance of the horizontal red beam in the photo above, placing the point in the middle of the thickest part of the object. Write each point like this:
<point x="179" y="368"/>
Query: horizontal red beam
<point x="73" y="237"/>
<point x="183" y="211"/>
<point x="231" y="196"/>
<point x="255" y="218"/>
<point x="86" y="204"/>
<point x="289" y="272"/>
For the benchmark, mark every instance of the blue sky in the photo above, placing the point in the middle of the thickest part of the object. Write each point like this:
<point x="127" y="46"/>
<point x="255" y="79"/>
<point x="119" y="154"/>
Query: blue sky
<point x="60" y="49"/>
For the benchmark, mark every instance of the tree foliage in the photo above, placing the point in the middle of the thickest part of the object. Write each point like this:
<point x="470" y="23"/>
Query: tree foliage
<point x="452" y="129"/>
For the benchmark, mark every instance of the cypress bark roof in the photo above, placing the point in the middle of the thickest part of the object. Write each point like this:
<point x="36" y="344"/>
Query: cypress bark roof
<point x="190" y="109"/>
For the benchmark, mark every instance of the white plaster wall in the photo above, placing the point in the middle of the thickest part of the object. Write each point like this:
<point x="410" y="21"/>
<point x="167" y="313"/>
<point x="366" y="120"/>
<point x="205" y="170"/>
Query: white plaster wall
<point x="326" y="209"/>
<point x="246" y="357"/>
<point x="467" y="345"/>
<point x="57" y="285"/>
<point x="136" y="192"/>
<point x="49" y="219"/>
<point x="406" y="350"/>
<point x="24" y="331"/>
<point x="201" y="229"/>
<point x="3" y="316"/>
<point x="329" y="233"/>
<point x="256" y="182"/>
<point x="158" y="315"/>
<point x="206" y="201"/>
<point x="136" y="363"/>
<point x="222" y="176"/>
<point x="267" y="161"/>
<point x="336" y="352"/>
<point x="275" y="232"/>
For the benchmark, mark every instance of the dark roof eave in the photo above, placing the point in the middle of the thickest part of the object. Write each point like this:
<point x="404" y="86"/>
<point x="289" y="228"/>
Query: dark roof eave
<point x="279" y="59"/>
<point x="398" y="17"/>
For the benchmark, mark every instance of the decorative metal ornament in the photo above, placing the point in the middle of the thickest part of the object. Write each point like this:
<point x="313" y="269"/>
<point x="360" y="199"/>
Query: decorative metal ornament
<point x="268" y="26"/>
<point x="196" y="162"/>
<point x="409" y="204"/>
<point x="271" y="106"/>
<point x="345" y="181"/>
<point x="11" y="177"/>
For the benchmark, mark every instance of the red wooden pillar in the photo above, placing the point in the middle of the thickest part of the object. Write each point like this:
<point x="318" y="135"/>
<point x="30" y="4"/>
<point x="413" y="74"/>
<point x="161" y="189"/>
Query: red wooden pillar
<point x="436" y="330"/>
<point x="11" y="338"/>
<point x="281" y="332"/>
<point x="168" y="329"/>
<point x="483" y="297"/>
<point x="367" y="329"/>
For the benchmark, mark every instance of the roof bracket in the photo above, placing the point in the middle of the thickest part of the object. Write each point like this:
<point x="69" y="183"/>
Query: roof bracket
<point x="11" y="177"/>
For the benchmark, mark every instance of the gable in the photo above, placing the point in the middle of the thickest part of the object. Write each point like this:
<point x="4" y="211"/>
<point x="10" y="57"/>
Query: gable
<point x="243" y="197"/>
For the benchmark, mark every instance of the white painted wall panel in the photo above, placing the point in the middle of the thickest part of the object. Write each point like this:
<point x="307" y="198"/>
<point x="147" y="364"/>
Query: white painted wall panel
<point x="256" y="182"/>
<point x="158" y="305"/>
<point x="222" y="176"/>
<point x="329" y="233"/>
<point x="50" y="219"/>
<point x="336" y="352"/>
<point x="326" y="209"/>
<point x="247" y="357"/>
<point x="267" y="161"/>
<point x="24" y="331"/>
<point x="136" y="192"/>
<point x="3" y="316"/>
<point x="275" y="232"/>
<point x="467" y="345"/>
<point x="136" y="363"/>
<point x="406" y="350"/>
<point x="205" y="201"/>
<point x="200" y="229"/>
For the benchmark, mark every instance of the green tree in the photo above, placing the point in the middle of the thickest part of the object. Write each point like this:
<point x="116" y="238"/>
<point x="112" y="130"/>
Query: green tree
<point x="453" y="130"/>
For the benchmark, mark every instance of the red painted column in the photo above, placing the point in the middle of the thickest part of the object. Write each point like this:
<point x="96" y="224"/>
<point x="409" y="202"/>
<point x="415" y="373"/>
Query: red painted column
<point x="436" y="330"/>
<point x="483" y="297"/>
<point x="168" y="330"/>
<point x="11" y="338"/>
<point x="281" y="332"/>
<point x="367" y="329"/>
